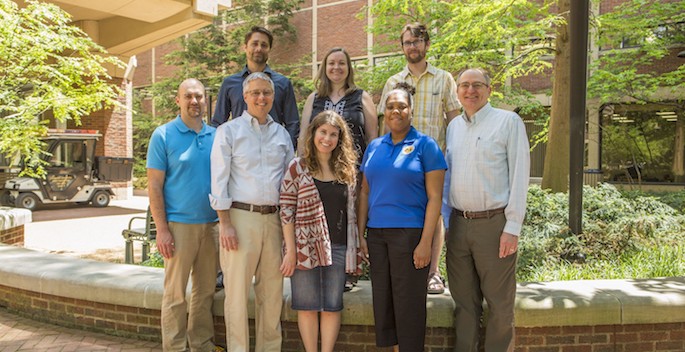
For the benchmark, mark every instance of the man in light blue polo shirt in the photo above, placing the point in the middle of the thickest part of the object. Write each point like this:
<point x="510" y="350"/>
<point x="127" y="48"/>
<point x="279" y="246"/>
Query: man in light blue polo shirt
<point x="178" y="174"/>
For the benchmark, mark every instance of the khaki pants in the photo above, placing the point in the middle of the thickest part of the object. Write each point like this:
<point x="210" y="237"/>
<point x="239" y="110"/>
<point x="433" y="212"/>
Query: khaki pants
<point x="194" y="258"/>
<point x="259" y="255"/>
<point x="474" y="272"/>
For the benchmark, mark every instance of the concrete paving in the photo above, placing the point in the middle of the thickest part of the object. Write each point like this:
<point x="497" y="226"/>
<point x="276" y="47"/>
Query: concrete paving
<point x="78" y="231"/>
<point x="83" y="230"/>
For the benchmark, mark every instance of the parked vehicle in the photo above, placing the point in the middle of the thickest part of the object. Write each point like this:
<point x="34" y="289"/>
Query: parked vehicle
<point x="74" y="173"/>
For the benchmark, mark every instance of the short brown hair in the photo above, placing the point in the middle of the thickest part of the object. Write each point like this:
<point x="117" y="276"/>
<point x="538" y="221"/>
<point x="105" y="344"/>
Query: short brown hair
<point x="258" y="29"/>
<point x="417" y="30"/>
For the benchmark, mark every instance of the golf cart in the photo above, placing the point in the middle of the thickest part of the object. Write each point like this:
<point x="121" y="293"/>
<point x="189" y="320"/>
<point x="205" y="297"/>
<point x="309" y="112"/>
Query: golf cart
<point x="74" y="173"/>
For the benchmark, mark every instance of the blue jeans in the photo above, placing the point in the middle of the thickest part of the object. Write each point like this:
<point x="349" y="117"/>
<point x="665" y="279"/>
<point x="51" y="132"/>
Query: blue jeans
<point x="321" y="289"/>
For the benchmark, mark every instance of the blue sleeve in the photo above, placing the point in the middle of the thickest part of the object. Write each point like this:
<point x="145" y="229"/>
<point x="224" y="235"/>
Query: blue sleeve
<point x="156" y="150"/>
<point x="223" y="105"/>
<point x="431" y="156"/>
<point x="291" y="117"/>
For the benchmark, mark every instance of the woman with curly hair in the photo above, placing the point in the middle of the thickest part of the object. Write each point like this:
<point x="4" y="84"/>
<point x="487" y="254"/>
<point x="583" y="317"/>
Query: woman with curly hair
<point x="399" y="204"/>
<point x="319" y="227"/>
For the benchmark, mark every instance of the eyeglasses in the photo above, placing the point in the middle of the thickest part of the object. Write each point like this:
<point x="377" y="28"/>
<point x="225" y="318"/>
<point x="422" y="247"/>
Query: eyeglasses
<point x="414" y="43"/>
<point x="475" y="85"/>
<point x="256" y="93"/>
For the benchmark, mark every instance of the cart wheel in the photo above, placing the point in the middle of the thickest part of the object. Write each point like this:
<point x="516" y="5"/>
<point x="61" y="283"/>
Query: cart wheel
<point x="27" y="201"/>
<point x="100" y="199"/>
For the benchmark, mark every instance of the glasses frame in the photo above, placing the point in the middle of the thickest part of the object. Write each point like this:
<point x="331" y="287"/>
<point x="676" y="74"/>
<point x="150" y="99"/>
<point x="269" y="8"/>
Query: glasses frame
<point x="414" y="43"/>
<point x="474" y="85"/>
<point x="256" y="93"/>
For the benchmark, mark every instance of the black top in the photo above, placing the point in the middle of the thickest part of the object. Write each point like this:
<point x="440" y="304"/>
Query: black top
<point x="334" y="197"/>
<point x="350" y="107"/>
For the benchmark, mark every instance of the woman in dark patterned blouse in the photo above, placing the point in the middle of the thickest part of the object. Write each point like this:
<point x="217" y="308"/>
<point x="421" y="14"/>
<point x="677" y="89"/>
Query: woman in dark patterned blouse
<point x="335" y="90"/>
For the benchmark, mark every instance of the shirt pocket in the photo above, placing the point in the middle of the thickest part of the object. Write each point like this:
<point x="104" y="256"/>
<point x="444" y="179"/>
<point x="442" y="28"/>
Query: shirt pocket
<point x="276" y="153"/>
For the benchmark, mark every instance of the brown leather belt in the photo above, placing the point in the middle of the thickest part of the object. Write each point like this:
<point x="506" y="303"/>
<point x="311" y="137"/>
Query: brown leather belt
<point x="486" y="214"/>
<point x="262" y="209"/>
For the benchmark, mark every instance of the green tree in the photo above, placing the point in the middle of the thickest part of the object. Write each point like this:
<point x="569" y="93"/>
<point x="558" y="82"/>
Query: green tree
<point x="46" y="66"/>
<point x="516" y="38"/>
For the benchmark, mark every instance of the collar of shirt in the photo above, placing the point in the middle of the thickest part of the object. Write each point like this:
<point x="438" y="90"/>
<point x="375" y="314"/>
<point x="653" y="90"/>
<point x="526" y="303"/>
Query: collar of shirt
<point x="181" y="126"/>
<point x="252" y="121"/>
<point x="411" y="136"/>
<point x="245" y="72"/>
<point x="479" y="115"/>
<point x="430" y="69"/>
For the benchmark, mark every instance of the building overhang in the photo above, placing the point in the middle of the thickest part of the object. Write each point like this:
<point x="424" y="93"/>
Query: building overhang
<point x="127" y="27"/>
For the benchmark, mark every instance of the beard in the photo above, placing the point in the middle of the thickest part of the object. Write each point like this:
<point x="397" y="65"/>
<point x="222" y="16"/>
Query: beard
<point x="259" y="59"/>
<point x="415" y="57"/>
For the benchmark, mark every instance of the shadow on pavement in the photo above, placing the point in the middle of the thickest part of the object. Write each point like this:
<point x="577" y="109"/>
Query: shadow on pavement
<point x="51" y="212"/>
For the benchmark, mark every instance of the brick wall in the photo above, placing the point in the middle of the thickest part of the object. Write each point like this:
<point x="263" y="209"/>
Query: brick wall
<point x="637" y="337"/>
<point x="14" y="236"/>
<point x="144" y="324"/>
<point x="113" y="319"/>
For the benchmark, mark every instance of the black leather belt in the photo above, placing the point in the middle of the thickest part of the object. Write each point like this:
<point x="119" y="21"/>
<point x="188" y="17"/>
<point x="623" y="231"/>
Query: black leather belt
<point x="486" y="214"/>
<point x="262" y="209"/>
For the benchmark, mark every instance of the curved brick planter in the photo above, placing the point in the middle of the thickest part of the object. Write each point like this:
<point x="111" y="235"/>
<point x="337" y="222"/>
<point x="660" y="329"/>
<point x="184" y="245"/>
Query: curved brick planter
<point x="606" y="315"/>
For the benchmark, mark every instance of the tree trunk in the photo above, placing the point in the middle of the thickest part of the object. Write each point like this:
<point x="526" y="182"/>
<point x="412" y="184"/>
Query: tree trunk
<point x="556" y="170"/>
<point x="679" y="151"/>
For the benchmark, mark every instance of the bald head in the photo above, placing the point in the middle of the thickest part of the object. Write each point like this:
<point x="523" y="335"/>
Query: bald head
<point x="189" y="82"/>
<point x="191" y="99"/>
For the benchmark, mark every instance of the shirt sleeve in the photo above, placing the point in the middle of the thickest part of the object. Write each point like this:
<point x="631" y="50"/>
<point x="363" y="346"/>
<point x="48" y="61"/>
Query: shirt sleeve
<point x="291" y="117"/>
<point x="446" y="210"/>
<point x="223" y="105"/>
<point x="451" y="102"/>
<point x="288" y="194"/>
<point x="518" y="158"/>
<point x="156" y="151"/>
<point x="431" y="156"/>
<point x="220" y="158"/>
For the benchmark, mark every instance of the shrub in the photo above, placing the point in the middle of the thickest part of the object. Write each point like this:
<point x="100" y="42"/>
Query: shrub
<point x="619" y="233"/>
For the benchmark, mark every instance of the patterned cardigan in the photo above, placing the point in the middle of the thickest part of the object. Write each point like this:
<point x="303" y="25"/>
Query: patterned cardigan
<point x="301" y="203"/>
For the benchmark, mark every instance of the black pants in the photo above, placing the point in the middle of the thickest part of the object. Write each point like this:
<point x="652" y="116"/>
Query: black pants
<point x="399" y="289"/>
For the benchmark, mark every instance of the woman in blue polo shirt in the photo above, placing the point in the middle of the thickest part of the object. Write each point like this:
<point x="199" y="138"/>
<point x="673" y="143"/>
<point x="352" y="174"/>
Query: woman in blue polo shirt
<point x="400" y="199"/>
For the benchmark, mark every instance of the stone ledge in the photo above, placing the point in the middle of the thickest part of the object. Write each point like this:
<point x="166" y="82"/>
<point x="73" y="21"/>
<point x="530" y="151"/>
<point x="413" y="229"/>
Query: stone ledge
<point x="13" y="217"/>
<point x="566" y="303"/>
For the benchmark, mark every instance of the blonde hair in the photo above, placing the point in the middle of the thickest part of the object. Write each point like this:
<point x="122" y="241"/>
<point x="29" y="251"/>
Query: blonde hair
<point x="344" y="156"/>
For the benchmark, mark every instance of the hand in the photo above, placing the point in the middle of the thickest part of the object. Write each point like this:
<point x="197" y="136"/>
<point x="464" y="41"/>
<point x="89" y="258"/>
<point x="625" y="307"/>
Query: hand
<point x="228" y="237"/>
<point x="288" y="264"/>
<point x="508" y="244"/>
<point x="165" y="243"/>
<point x="422" y="255"/>
<point x="364" y="248"/>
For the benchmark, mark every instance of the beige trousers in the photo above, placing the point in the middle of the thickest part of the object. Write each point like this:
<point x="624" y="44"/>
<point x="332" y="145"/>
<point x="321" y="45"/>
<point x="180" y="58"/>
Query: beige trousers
<point x="259" y="255"/>
<point x="190" y="322"/>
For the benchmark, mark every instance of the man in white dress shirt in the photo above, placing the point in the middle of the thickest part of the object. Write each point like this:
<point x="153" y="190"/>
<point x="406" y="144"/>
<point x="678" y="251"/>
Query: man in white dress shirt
<point x="248" y="160"/>
<point x="489" y="165"/>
